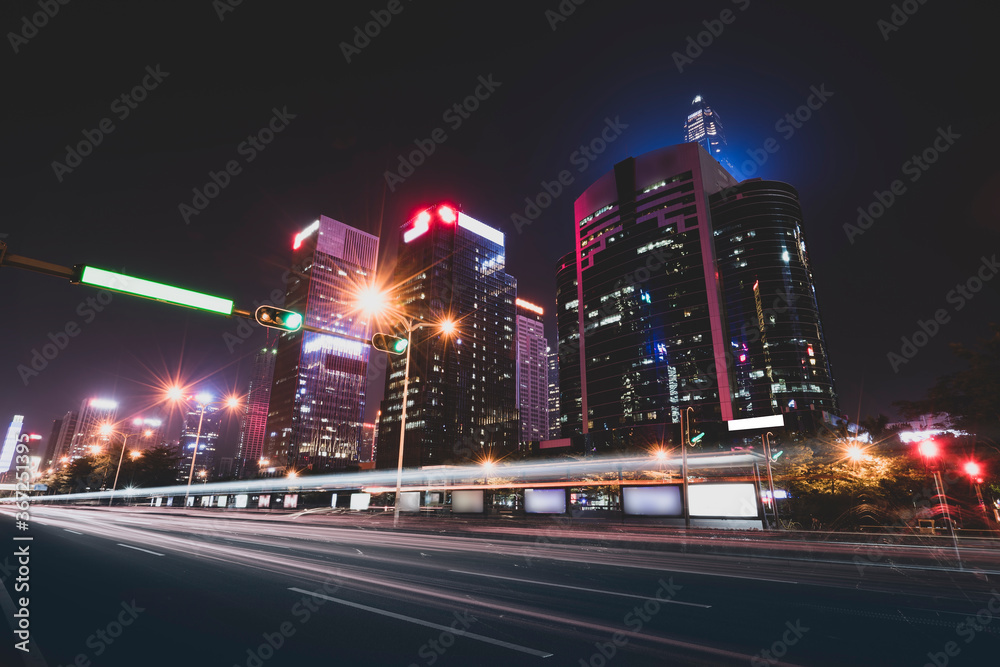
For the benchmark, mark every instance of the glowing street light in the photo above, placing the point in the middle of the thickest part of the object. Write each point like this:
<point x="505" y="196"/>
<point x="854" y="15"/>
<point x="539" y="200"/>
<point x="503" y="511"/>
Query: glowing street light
<point x="204" y="400"/>
<point x="446" y="327"/>
<point x="973" y="469"/>
<point x="856" y="453"/>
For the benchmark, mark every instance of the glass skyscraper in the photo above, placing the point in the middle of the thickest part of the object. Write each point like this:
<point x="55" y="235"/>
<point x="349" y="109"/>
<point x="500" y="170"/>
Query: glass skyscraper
<point x="703" y="126"/>
<point x="254" y="428"/>
<point x="532" y="372"/>
<point x="779" y="357"/>
<point x="660" y="304"/>
<point x="318" y="393"/>
<point x="461" y="402"/>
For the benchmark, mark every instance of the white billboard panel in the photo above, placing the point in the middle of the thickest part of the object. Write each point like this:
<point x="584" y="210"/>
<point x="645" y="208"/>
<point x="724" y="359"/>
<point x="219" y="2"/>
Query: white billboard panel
<point x="771" y="421"/>
<point x="545" y="501"/>
<point x="653" y="500"/>
<point x="722" y="500"/>
<point x="360" y="501"/>
<point x="467" y="502"/>
<point x="409" y="501"/>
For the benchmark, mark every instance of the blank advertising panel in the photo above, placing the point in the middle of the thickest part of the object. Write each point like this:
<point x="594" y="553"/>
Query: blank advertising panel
<point x="722" y="500"/>
<point x="409" y="501"/>
<point x="653" y="500"/>
<point x="545" y="501"/>
<point x="467" y="502"/>
<point x="360" y="501"/>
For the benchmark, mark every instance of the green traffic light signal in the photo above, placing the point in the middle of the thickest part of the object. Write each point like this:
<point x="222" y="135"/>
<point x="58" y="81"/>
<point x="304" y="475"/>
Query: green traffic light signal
<point x="697" y="438"/>
<point x="390" y="344"/>
<point x="278" y="318"/>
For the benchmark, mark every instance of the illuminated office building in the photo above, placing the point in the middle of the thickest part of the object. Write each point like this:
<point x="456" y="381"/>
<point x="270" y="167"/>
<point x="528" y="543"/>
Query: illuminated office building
<point x="532" y="372"/>
<point x="462" y="399"/>
<point x="318" y="393"/>
<point x="205" y="431"/>
<point x="704" y="127"/>
<point x="552" y="357"/>
<point x="676" y="266"/>
<point x="253" y="430"/>
<point x="94" y="413"/>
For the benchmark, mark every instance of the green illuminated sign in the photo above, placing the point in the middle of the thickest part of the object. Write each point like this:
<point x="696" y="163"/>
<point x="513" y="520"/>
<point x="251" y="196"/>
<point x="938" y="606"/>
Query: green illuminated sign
<point x="158" y="291"/>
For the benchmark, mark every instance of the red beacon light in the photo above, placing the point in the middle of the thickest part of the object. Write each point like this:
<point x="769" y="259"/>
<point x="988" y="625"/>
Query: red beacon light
<point x="447" y="214"/>
<point x="928" y="449"/>
<point x="973" y="469"/>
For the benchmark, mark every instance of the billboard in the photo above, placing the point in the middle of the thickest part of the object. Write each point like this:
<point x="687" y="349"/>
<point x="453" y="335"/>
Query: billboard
<point x="467" y="502"/>
<point x="653" y="500"/>
<point x="545" y="501"/>
<point x="360" y="501"/>
<point x="722" y="500"/>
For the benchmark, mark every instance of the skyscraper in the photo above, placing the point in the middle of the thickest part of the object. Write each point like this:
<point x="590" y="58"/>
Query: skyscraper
<point x="532" y="372"/>
<point x="204" y="430"/>
<point x="94" y="413"/>
<point x="67" y="430"/>
<point x="553" y="363"/>
<point x="318" y="393"/>
<point x="703" y="126"/>
<point x="254" y="428"/>
<point x="660" y="322"/>
<point x="462" y="401"/>
<point x="779" y="356"/>
<point x="568" y="352"/>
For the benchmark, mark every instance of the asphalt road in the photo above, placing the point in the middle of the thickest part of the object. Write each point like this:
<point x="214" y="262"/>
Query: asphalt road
<point x="138" y="586"/>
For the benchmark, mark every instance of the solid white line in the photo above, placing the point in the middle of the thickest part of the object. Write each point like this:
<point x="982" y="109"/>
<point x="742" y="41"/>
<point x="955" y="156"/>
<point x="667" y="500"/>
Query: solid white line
<point x="72" y="531"/>
<point x="588" y="590"/>
<point x="138" y="549"/>
<point x="436" y="626"/>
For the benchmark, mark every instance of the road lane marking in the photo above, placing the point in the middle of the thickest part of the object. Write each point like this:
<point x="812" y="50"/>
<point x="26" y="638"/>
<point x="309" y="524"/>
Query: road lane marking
<point x="72" y="531"/>
<point x="138" y="549"/>
<point x="436" y="626"/>
<point x="579" y="588"/>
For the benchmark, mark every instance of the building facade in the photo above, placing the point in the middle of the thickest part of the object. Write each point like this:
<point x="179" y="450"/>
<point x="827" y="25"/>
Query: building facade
<point x="553" y="364"/>
<point x="318" y="393"/>
<point x="462" y="398"/>
<point x="779" y="357"/>
<point x="94" y="413"/>
<point x="199" y="432"/>
<point x="532" y="372"/>
<point x="253" y="431"/>
<point x="664" y="305"/>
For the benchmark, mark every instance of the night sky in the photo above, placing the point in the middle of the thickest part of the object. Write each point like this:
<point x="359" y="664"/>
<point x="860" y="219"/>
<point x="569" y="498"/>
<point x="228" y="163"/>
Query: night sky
<point x="220" y="81"/>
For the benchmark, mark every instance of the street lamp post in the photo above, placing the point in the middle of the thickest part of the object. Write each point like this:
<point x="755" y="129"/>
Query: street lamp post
<point x="119" y="469"/>
<point x="402" y="425"/>
<point x="685" y="441"/>
<point x="770" y="477"/>
<point x="204" y="401"/>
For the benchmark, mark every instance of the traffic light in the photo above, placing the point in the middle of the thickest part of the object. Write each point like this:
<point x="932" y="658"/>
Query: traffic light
<point x="390" y="344"/>
<point x="278" y="318"/>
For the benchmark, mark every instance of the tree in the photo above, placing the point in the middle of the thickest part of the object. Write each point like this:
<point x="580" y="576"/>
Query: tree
<point x="156" y="467"/>
<point x="971" y="396"/>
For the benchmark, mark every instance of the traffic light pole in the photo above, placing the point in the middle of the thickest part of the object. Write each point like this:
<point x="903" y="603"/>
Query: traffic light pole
<point x="402" y="427"/>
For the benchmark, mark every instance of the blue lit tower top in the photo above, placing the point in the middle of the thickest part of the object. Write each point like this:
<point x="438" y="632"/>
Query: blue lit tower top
<point x="704" y="127"/>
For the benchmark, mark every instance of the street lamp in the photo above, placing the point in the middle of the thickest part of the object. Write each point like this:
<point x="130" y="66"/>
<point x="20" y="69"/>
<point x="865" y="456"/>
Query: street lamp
<point x="975" y="471"/>
<point x="204" y="400"/>
<point x="446" y="327"/>
<point x="685" y="441"/>
<point x="770" y="477"/>
<point x="118" y="470"/>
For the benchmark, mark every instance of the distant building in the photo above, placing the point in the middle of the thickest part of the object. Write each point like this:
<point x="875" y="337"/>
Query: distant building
<point x="366" y="452"/>
<point x="63" y="443"/>
<point x="532" y="372"/>
<point x="253" y="432"/>
<point x="703" y="126"/>
<point x="144" y="432"/>
<point x="317" y="396"/>
<point x="462" y="395"/>
<point x="553" y="377"/>
<point x="203" y="430"/>
<point x="94" y="413"/>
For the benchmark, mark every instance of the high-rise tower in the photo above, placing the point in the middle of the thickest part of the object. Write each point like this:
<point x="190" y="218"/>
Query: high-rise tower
<point x="318" y="393"/>
<point x="254" y="428"/>
<point x="532" y="372"/>
<point x="676" y="266"/>
<point x="461" y="402"/>
<point x="704" y="127"/>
